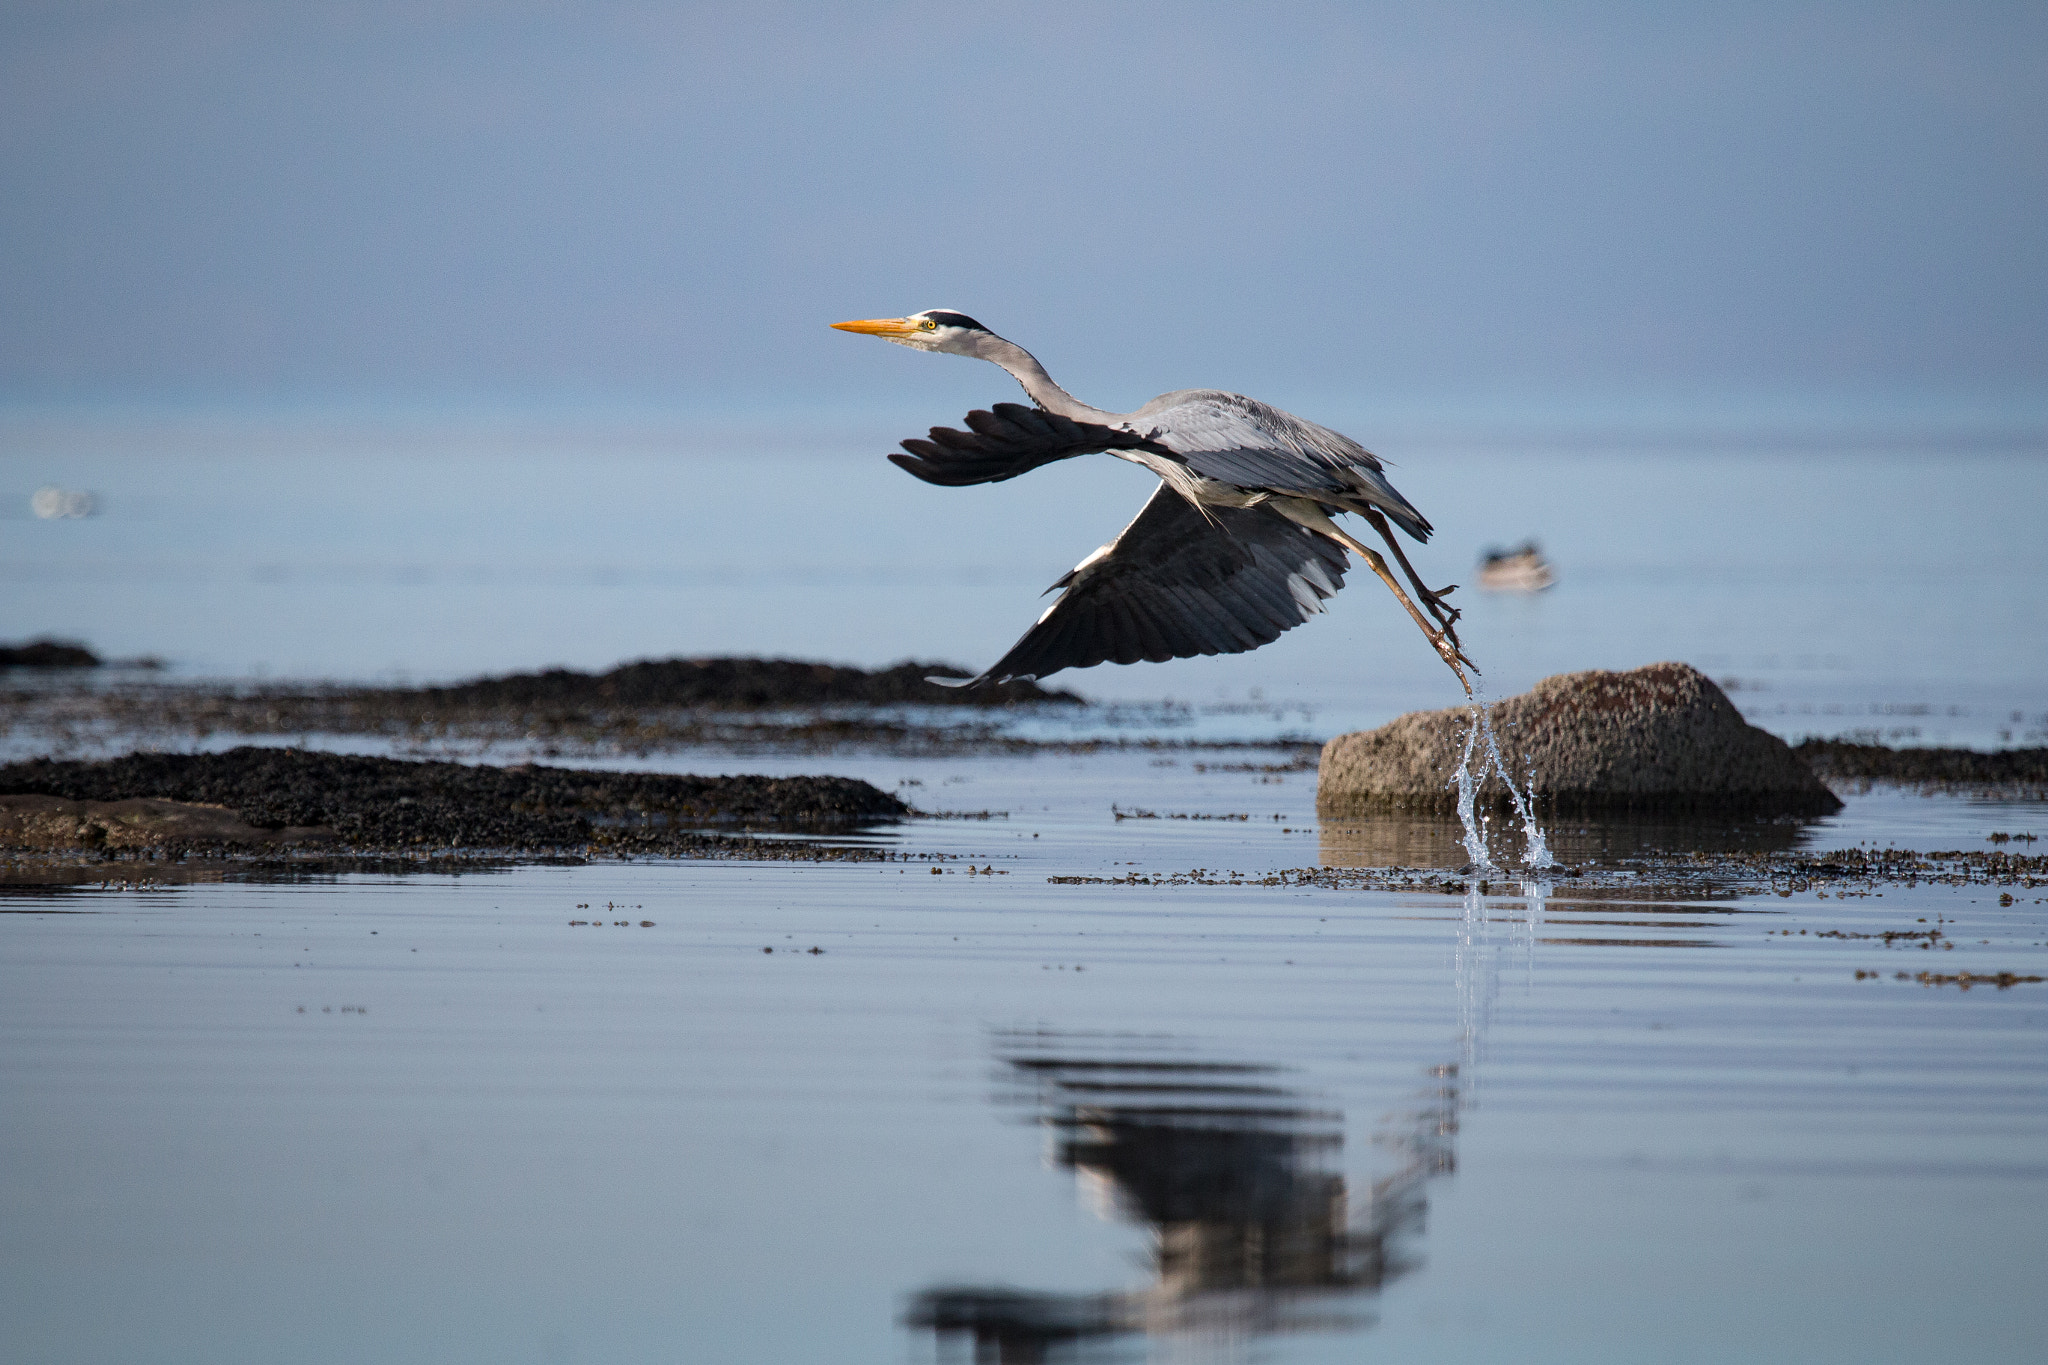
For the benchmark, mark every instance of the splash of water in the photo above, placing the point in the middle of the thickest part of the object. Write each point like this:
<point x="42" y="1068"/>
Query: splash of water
<point x="1536" y="854"/>
<point x="1468" y="815"/>
<point x="1539" y="856"/>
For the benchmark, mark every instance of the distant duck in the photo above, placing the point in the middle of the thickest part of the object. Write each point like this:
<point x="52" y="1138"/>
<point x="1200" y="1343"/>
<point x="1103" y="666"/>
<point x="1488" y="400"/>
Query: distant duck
<point x="1518" y="570"/>
<point x="51" y="503"/>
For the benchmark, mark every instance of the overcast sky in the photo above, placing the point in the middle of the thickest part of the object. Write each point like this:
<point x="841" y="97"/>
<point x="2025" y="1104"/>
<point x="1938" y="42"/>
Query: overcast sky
<point x="1309" y="202"/>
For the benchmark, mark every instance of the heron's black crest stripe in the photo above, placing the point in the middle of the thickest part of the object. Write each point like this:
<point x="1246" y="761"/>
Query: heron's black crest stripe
<point x="955" y="320"/>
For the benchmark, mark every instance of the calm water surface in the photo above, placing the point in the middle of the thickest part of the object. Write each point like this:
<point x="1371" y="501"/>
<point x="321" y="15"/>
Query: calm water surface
<point x="434" y="1118"/>
<point x="577" y="1113"/>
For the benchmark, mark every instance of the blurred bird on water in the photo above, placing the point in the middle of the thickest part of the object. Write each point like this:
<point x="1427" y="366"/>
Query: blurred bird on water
<point x="1523" y="569"/>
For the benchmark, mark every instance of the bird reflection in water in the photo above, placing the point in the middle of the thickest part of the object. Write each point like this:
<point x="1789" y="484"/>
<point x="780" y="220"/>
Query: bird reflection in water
<point x="1235" y="1175"/>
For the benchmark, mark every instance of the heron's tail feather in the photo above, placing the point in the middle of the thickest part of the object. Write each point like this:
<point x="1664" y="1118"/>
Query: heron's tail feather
<point x="1409" y="520"/>
<point x="1374" y="490"/>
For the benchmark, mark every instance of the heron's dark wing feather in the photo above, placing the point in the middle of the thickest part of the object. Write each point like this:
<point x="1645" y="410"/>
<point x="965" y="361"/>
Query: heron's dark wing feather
<point x="1003" y="443"/>
<point x="1176" y="583"/>
<point x="1241" y="441"/>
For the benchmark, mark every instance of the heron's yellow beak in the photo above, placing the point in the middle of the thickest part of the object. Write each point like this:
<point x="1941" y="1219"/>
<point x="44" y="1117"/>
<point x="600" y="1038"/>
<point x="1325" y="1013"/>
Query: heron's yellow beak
<point x="879" y="327"/>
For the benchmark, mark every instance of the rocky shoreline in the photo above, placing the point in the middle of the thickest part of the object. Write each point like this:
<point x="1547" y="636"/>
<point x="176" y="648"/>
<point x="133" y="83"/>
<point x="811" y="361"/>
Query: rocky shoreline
<point x="632" y="711"/>
<point x="2003" y="774"/>
<point x="256" y="801"/>
<point x="254" y="796"/>
<point x="725" y="683"/>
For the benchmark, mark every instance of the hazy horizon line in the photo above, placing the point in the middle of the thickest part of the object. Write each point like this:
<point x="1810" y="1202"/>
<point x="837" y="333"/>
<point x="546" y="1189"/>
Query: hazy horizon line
<point x="1823" y="417"/>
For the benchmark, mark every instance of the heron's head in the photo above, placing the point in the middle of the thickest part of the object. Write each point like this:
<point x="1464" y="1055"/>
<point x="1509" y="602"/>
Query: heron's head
<point x="935" y="329"/>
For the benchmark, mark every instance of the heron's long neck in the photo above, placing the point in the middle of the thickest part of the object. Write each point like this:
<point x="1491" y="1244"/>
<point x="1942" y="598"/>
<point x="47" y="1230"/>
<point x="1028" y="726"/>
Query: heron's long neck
<point x="1025" y="369"/>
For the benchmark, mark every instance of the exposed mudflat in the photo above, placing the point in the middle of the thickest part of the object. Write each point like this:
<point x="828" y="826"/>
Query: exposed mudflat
<point x="57" y="823"/>
<point x="2008" y="774"/>
<point x="382" y="803"/>
<point x="731" y="684"/>
<point x="633" y="710"/>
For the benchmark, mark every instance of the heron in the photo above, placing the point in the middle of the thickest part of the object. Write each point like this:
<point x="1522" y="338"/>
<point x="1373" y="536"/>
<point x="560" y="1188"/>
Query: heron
<point x="1237" y="544"/>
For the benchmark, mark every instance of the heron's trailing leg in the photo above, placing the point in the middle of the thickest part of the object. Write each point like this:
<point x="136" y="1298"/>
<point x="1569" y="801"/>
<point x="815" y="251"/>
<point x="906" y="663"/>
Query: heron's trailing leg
<point x="1446" y="615"/>
<point x="1445" y="640"/>
<point x="1305" y="513"/>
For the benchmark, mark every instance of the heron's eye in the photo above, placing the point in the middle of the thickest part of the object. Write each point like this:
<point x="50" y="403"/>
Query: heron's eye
<point x="929" y="325"/>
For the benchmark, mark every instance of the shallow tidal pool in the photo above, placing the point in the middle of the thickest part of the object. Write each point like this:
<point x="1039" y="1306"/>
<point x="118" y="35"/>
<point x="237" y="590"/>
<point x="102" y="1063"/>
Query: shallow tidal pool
<point x="1027" y="1090"/>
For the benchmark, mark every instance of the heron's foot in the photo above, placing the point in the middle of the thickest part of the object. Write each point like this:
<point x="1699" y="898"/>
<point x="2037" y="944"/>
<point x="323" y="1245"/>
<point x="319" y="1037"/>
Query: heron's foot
<point x="1453" y="653"/>
<point x="1446" y="615"/>
<point x="1446" y="632"/>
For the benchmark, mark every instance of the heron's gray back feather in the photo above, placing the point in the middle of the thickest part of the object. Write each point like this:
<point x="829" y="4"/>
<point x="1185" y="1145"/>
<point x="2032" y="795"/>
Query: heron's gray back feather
<point x="1176" y="583"/>
<point x="1241" y="441"/>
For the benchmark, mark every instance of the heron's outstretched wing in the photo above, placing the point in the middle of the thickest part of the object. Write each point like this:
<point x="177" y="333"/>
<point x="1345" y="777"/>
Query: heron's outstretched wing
<point x="1239" y="440"/>
<point x="1002" y="444"/>
<point x="1174" y="584"/>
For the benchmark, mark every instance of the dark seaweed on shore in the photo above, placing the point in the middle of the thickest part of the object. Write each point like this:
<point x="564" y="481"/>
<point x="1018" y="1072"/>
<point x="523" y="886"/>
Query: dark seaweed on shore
<point x="2006" y="772"/>
<point x="47" y="654"/>
<point x="735" y="684"/>
<point x="635" y="710"/>
<point x="394" y="803"/>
